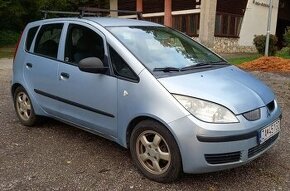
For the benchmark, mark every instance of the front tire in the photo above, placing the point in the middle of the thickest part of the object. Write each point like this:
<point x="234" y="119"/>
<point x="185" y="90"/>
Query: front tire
<point x="155" y="151"/>
<point x="23" y="107"/>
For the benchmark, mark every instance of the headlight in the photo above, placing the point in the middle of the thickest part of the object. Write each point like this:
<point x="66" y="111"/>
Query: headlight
<point x="207" y="111"/>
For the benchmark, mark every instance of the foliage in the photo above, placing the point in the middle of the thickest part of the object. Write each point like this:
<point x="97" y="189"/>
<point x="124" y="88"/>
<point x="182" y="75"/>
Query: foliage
<point x="286" y="36"/>
<point x="15" y="14"/>
<point x="243" y="58"/>
<point x="8" y="37"/>
<point x="260" y="42"/>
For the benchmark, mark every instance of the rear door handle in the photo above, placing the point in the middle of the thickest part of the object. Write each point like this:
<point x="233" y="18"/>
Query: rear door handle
<point x="64" y="76"/>
<point x="28" y="65"/>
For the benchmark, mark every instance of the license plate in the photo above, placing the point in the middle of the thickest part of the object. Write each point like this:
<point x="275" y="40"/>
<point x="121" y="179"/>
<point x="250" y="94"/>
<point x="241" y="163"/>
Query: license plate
<point x="269" y="131"/>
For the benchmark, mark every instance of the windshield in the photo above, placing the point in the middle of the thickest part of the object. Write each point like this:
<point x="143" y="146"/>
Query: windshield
<point x="161" y="47"/>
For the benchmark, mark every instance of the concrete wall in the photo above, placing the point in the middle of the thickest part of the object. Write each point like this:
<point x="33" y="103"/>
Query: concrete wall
<point x="255" y="20"/>
<point x="228" y="45"/>
<point x="207" y="22"/>
<point x="114" y="6"/>
<point x="231" y="45"/>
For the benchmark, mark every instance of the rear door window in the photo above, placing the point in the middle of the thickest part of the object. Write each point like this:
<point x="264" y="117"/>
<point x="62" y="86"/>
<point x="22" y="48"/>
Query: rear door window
<point x="30" y="36"/>
<point x="47" y="41"/>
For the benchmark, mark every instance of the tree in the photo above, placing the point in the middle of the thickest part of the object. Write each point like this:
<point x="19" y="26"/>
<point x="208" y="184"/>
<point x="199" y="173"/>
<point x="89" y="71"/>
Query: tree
<point x="15" y="14"/>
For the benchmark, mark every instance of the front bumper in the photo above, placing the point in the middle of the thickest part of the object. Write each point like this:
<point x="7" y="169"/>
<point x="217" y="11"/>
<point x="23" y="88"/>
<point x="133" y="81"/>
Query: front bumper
<point x="206" y="147"/>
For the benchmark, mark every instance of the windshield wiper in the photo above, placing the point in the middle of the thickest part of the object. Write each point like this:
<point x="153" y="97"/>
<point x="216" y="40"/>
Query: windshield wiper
<point x="191" y="67"/>
<point x="166" y="69"/>
<point x="196" y="66"/>
<point x="219" y="63"/>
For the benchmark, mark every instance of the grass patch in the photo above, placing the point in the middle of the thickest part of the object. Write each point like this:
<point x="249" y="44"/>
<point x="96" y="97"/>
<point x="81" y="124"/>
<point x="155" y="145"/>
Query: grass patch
<point x="284" y="53"/>
<point x="242" y="58"/>
<point x="239" y="59"/>
<point x="7" y="52"/>
<point x="285" y="56"/>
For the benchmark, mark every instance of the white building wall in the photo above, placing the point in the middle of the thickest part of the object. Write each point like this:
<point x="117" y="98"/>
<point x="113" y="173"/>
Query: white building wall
<point x="255" y="20"/>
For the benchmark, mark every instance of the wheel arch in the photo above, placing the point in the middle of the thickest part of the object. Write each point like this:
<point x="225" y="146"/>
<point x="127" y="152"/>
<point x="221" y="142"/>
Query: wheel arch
<point x="37" y="108"/>
<point x="165" y="128"/>
<point x="14" y="87"/>
<point x="139" y="119"/>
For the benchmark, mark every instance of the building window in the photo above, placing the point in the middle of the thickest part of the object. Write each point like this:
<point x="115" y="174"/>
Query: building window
<point x="188" y="24"/>
<point x="227" y="25"/>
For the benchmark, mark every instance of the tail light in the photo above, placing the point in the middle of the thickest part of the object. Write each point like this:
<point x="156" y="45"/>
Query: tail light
<point x="16" y="47"/>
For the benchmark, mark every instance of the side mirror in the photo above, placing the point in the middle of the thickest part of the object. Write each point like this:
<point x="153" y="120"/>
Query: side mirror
<point x="92" y="65"/>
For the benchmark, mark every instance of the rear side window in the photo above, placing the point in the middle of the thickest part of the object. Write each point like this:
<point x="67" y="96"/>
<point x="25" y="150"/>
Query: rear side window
<point x="30" y="36"/>
<point x="47" y="40"/>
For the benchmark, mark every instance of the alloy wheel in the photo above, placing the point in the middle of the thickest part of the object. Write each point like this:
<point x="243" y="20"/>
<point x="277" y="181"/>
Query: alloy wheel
<point x="153" y="152"/>
<point x="23" y="106"/>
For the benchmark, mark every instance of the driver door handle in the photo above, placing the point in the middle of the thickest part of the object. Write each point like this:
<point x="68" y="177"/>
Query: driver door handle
<point x="64" y="76"/>
<point x="28" y="65"/>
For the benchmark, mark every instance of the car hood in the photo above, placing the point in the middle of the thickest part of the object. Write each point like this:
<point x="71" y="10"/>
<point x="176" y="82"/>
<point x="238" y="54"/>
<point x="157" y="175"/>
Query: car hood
<point x="229" y="86"/>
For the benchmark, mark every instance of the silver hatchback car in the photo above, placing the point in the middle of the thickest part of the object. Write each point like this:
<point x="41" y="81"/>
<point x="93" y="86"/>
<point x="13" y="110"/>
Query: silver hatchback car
<point x="175" y="104"/>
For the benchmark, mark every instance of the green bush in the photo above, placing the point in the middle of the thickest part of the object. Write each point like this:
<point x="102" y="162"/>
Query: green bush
<point x="8" y="38"/>
<point x="260" y="43"/>
<point x="286" y="36"/>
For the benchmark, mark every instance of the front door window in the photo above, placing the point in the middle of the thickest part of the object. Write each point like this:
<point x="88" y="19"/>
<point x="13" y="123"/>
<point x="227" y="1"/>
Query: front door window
<point x="81" y="43"/>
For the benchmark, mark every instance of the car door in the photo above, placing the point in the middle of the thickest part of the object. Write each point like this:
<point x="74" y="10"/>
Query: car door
<point x="41" y="66"/>
<point x="87" y="99"/>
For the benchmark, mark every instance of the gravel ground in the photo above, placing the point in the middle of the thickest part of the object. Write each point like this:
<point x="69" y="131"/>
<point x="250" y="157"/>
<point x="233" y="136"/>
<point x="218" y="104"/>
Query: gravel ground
<point x="55" y="156"/>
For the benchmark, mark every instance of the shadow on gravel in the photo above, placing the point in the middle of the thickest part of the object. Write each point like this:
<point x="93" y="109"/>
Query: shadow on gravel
<point x="70" y="132"/>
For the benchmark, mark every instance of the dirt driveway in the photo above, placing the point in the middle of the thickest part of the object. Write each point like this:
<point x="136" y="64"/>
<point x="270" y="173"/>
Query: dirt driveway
<point x="55" y="156"/>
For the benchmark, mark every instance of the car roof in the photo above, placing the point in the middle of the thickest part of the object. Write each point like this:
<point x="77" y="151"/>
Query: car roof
<point x="103" y="21"/>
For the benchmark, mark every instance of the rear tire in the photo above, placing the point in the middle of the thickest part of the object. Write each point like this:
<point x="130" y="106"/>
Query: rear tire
<point x="155" y="152"/>
<point x="24" y="108"/>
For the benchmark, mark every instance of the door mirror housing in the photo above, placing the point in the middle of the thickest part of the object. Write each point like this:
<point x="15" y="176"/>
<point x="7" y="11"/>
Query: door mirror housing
<point x="92" y="65"/>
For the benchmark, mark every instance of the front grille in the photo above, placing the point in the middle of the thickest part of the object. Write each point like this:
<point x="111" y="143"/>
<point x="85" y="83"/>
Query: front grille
<point x="259" y="148"/>
<point x="223" y="158"/>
